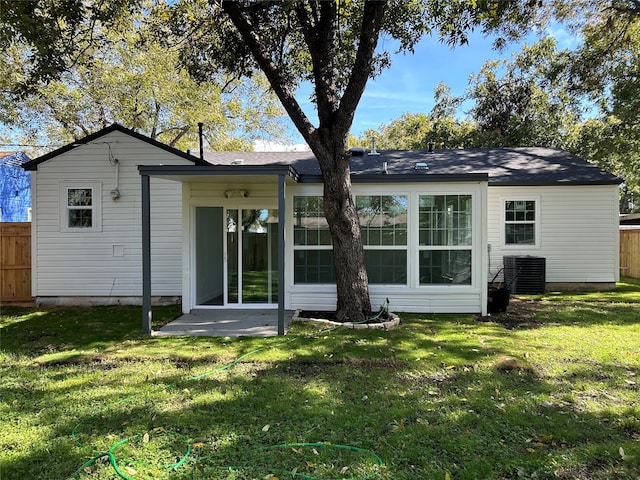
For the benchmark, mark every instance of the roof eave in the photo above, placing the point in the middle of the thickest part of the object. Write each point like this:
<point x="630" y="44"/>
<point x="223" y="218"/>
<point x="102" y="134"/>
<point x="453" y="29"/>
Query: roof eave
<point x="204" y="170"/>
<point x="503" y="183"/>
<point x="33" y="164"/>
<point x="405" y="178"/>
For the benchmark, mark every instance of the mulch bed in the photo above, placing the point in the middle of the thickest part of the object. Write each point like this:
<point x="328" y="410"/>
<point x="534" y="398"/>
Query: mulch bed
<point x="520" y="314"/>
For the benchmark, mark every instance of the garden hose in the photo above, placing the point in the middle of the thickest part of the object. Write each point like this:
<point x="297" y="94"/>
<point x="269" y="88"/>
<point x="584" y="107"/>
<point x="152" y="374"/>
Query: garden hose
<point x="116" y="466"/>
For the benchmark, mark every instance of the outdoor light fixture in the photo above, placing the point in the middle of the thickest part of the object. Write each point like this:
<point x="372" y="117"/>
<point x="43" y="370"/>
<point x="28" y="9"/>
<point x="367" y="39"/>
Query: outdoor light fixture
<point x="238" y="192"/>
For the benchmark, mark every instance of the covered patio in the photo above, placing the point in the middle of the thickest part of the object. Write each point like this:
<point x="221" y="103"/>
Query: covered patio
<point x="219" y="322"/>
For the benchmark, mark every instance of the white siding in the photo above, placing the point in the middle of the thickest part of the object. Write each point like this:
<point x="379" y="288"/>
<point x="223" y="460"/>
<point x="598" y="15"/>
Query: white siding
<point x="107" y="262"/>
<point x="577" y="226"/>
<point x="407" y="298"/>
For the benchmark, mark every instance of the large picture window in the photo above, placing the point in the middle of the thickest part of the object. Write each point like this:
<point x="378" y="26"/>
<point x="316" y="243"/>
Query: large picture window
<point x="445" y="239"/>
<point x="520" y="222"/>
<point x="383" y="224"/>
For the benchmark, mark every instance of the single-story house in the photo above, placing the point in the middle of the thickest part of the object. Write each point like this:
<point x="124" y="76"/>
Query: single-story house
<point x="119" y="217"/>
<point x="15" y="188"/>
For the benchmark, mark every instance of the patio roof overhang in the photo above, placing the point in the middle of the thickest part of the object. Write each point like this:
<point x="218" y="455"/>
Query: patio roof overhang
<point x="214" y="173"/>
<point x="220" y="173"/>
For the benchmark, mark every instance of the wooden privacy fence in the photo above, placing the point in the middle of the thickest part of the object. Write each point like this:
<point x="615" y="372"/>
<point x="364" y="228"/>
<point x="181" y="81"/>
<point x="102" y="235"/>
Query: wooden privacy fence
<point x="630" y="253"/>
<point x="15" y="262"/>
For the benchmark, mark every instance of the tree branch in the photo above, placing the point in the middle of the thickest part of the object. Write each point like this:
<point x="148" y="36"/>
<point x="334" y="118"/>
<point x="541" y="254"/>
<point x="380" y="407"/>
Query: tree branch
<point x="371" y="25"/>
<point x="272" y="72"/>
<point x="320" y="33"/>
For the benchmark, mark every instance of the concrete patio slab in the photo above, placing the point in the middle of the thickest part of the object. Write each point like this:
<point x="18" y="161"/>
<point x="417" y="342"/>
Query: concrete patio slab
<point x="225" y="323"/>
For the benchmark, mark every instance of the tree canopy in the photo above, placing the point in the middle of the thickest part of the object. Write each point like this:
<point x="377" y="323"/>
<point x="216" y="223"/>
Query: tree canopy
<point x="584" y="100"/>
<point x="135" y="79"/>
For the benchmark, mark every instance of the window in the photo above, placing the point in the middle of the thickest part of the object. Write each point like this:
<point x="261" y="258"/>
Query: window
<point x="520" y="222"/>
<point x="80" y="207"/>
<point x="310" y="227"/>
<point x="313" y="255"/>
<point x="383" y="224"/>
<point x="445" y="239"/>
<point x="383" y="219"/>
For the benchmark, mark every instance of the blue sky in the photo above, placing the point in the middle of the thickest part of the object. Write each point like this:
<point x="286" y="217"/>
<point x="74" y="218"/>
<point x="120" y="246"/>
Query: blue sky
<point x="409" y="84"/>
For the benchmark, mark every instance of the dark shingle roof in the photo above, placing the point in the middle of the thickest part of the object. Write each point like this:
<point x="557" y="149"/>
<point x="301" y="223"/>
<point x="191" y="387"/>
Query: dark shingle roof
<point x="504" y="166"/>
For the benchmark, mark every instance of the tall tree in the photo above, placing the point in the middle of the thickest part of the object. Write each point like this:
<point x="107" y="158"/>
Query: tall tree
<point x="524" y="102"/>
<point x="405" y="133"/>
<point x="604" y="69"/>
<point x="333" y="44"/>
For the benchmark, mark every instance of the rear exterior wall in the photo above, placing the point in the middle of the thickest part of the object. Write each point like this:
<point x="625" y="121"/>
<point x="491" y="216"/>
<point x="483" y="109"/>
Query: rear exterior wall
<point x="104" y="264"/>
<point x="576" y="231"/>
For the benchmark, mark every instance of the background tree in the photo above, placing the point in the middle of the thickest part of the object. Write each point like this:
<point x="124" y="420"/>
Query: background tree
<point x="405" y="133"/>
<point x="448" y="130"/>
<point x="606" y="69"/>
<point x="414" y="131"/>
<point x="524" y="102"/>
<point x="138" y="82"/>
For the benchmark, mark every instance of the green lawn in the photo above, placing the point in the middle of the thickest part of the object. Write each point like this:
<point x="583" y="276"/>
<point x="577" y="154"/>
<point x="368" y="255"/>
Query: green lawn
<point x="548" y="390"/>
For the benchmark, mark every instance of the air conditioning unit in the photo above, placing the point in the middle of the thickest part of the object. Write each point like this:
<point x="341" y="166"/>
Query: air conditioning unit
<point x="525" y="274"/>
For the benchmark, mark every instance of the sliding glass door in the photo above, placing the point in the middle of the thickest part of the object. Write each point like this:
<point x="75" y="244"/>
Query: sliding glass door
<point x="236" y="256"/>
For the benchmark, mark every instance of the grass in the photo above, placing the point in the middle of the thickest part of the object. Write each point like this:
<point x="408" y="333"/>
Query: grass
<point x="547" y="390"/>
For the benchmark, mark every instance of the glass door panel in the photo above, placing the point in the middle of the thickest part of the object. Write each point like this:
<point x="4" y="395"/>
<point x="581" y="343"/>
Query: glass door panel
<point x="209" y="256"/>
<point x="232" y="256"/>
<point x="259" y="256"/>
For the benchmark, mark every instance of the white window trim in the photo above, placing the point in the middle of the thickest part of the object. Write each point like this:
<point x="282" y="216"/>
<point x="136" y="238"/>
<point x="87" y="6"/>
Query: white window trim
<point x="503" y="222"/>
<point x="471" y="247"/>
<point x="478" y="193"/>
<point x="96" y="208"/>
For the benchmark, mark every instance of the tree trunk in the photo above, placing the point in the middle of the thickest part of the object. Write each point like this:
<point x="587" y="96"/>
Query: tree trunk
<point x="352" y="283"/>
<point x="328" y="142"/>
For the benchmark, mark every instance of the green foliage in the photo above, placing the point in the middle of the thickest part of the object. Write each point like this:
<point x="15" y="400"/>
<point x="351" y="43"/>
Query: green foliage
<point x="138" y="82"/>
<point x="57" y="33"/>
<point x="416" y="131"/>
<point x="605" y="69"/>
<point x="528" y="104"/>
<point x="548" y="389"/>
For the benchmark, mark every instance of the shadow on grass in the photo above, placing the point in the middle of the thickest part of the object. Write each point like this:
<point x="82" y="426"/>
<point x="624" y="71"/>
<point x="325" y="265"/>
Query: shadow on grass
<point x="33" y="331"/>
<point x="428" y="397"/>
<point x="524" y="313"/>
<point x="472" y="423"/>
